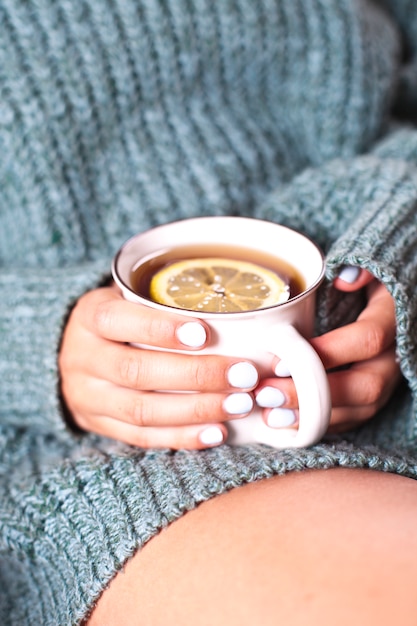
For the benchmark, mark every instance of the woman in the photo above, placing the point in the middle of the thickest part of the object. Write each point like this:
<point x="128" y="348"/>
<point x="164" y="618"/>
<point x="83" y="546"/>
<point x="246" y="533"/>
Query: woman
<point x="119" y="115"/>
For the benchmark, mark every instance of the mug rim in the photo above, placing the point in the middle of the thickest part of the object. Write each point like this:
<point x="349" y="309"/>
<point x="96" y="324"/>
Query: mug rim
<point x="125" y="287"/>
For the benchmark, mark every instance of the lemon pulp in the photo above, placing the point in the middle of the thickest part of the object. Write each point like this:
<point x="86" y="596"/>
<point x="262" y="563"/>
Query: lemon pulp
<point x="217" y="285"/>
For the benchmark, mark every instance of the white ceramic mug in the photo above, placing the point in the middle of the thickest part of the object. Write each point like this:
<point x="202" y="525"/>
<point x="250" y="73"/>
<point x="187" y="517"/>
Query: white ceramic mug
<point x="258" y="335"/>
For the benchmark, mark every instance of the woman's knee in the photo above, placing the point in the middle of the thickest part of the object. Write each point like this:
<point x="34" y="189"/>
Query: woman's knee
<point x="318" y="547"/>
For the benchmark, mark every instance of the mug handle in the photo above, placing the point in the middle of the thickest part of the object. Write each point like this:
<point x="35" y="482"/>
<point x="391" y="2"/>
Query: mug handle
<point x="311" y="383"/>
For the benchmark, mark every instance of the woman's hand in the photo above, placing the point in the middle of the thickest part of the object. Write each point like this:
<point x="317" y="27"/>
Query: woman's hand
<point x="111" y="388"/>
<point x="360" y="359"/>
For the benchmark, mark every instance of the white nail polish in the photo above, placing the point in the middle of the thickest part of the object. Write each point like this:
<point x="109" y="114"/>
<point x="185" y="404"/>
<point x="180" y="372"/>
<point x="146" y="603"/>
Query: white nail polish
<point x="280" y="418"/>
<point x="211" y="436"/>
<point x="192" y="334"/>
<point x="243" y="375"/>
<point x="270" y="398"/>
<point x="282" y="370"/>
<point x="238" y="403"/>
<point x="349" y="274"/>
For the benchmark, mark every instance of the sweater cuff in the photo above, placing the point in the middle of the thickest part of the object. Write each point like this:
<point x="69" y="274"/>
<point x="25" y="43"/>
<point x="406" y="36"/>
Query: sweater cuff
<point x="33" y="311"/>
<point x="383" y="240"/>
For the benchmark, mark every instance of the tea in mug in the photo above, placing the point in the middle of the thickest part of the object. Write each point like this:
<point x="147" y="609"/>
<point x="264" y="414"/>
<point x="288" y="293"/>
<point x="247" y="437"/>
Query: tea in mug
<point x="216" y="278"/>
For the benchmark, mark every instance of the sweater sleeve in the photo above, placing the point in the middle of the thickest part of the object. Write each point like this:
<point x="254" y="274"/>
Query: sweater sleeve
<point x="363" y="212"/>
<point x="33" y="309"/>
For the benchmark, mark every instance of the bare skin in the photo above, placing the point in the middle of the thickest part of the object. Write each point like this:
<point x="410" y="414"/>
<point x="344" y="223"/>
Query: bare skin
<point x="311" y="548"/>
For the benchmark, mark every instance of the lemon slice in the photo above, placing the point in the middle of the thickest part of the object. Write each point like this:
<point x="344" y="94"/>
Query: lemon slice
<point x="217" y="285"/>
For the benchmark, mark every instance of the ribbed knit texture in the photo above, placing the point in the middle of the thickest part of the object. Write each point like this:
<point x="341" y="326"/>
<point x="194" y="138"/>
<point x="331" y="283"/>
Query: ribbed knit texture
<point x="116" y="115"/>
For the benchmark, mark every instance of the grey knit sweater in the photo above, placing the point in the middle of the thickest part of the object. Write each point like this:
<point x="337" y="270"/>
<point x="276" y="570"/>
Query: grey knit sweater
<point x="116" y="115"/>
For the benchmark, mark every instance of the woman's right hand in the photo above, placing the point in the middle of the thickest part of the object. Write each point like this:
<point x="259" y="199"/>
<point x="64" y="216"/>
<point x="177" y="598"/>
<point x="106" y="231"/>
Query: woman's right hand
<point x="111" y="387"/>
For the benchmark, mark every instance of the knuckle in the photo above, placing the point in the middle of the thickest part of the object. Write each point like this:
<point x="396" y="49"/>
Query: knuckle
<point x="83" y="302"/>
<point x="201" y="412"/>
<point x="141" y="413"/>
<point x="157" y="329"/>
<point x="129" y="370"/>
<point x="374" y="387"/>
<point x="80" y="420"/>
<point x="374" y="340"/>
<point x="142" y="440"/>
<point x="103" y="318"/>
<point x="201" y="375"/>
<point x="145" y="439"/>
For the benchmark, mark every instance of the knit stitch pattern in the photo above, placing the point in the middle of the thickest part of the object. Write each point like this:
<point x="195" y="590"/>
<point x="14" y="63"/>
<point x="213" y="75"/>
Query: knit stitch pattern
<point x="117" y="115"/>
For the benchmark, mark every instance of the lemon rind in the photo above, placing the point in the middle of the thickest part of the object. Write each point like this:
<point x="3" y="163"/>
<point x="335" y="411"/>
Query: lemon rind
<point x="227" y="303"/>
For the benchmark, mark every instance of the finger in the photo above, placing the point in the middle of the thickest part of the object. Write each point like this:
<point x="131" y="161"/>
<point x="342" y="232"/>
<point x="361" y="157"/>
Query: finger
<point x="369" y="383"/>
<point x="156" y="409"/>
<point x="105" y="313"/>
<point x="347" y="418"/>
<point x="371" y="334"/>
<point x="281" y="418"/>
<point x="181" y="437"/>
<point x="342" y="418"/>
<point x="278" y="398"/>
<point x="365" y="383"/>
<point x="352" y="278"/>
<point x="135" y="368"/>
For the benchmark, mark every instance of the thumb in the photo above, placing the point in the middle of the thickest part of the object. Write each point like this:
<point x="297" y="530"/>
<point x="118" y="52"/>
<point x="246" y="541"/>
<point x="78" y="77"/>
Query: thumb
<point x="352" y="278"/>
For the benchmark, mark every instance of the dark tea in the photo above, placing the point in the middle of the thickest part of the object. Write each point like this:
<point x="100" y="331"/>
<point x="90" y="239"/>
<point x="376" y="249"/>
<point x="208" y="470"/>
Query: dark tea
<point x="143" y="272"/>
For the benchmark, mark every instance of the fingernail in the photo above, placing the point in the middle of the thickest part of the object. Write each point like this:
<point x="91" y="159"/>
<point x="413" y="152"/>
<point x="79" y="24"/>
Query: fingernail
<point x="270" y="397"/>
<point x="238" y="403"/>
<point x="192" y="334"/>
<point x="280" y="418"/>
<point x="243" y="375"/>
<point x="282" y="370"/>
<point x="349" y="274"/>
<point x="211" y="436"/>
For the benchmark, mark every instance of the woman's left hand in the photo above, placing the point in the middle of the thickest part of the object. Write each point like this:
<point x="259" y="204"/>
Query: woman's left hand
<point x="360" y="359"/>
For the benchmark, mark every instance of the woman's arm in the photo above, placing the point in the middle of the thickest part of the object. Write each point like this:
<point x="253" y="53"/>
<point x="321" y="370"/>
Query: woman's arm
<point x="363" y="211"/>
<point x="34" y="306"/>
